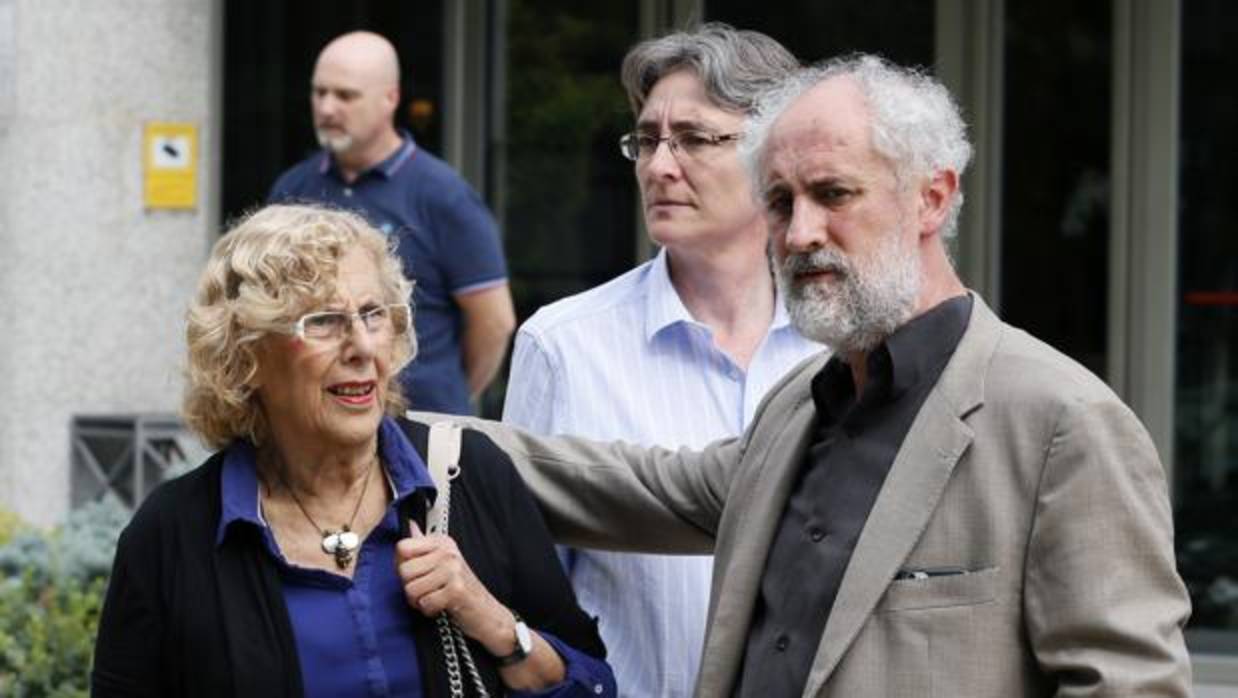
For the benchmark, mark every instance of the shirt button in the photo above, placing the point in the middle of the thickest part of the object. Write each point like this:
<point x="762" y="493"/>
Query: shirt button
<point x="597" y="688"/>
<point x="816" y="534"/>
<point x="347" y="191"/>
<point x="781" y="644"/>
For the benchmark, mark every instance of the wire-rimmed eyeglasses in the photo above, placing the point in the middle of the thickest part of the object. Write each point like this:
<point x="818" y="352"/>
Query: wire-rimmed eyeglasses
<point x="638" y="147"/>
<point x="332" y="325"/>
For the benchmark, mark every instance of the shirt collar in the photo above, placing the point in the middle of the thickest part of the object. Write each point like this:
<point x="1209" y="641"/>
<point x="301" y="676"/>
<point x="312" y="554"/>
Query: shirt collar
<point x="386" y="169"/>
<point x="782" y="318"/>
<point x="663" y="306"/>
<point x="405" y="472"/>
<point x="914" y="353"/>
<point x="922" y="346"/>
<point x="239" y="488"/>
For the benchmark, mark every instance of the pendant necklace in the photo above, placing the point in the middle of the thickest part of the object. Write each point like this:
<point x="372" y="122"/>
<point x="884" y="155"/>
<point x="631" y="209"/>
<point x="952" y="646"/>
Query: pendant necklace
<point x="343" y="543"/>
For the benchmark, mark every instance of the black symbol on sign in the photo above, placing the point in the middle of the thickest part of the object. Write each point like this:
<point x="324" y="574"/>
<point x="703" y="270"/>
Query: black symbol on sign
<point x="170" y="149"/>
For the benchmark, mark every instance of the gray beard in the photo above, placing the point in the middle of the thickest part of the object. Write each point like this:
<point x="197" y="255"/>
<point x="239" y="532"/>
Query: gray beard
<point x="335" y="145"/>
<point x="865" y="302"/>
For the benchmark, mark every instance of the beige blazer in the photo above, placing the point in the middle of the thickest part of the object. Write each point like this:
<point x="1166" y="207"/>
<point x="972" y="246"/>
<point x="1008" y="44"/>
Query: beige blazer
<point x="1021" y="467"/>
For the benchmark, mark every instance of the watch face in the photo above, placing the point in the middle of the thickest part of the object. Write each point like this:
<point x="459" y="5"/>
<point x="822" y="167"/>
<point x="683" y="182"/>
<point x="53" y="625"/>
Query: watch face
<point x="524" y="639"/>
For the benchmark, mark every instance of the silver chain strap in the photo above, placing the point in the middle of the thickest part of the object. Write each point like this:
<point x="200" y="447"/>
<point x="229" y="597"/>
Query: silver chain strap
<point x="449" y="634"/>
<point x="446" y="638"/>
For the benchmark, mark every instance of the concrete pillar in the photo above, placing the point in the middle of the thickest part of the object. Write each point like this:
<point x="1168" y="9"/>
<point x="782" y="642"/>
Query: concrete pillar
<point x="93" y="287"/>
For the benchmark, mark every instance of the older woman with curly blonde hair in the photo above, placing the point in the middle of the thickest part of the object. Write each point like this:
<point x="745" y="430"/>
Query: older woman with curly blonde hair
<point x="293" y="561"/>
<point x="290" y="256"/>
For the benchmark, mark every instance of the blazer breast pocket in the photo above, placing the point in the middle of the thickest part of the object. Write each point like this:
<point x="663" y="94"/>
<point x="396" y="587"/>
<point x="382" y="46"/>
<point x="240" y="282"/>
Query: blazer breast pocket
<point x="932" y="635"/>
<point x="934" y="588"/>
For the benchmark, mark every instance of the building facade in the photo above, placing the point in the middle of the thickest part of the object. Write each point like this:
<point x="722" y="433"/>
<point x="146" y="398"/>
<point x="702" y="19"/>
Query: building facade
<point x="93" y="284"/>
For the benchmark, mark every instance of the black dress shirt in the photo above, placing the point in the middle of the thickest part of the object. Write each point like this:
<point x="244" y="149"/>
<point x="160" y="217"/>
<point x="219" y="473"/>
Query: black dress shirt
<point x="854" y="443"/>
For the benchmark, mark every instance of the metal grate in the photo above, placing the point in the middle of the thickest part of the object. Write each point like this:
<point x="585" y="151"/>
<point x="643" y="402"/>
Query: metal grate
<point x="127" y="455"/>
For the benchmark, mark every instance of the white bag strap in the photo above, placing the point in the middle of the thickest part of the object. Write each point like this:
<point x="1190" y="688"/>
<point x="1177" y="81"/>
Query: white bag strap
<point x="444" y="456"/>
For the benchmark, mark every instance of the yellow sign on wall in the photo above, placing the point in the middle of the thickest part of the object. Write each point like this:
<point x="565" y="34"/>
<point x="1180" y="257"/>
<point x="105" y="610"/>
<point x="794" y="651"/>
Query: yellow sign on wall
<point x="170" y="165"/>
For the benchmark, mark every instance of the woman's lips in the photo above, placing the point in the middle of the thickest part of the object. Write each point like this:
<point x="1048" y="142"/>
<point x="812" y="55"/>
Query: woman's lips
<point x="353" y="392"/>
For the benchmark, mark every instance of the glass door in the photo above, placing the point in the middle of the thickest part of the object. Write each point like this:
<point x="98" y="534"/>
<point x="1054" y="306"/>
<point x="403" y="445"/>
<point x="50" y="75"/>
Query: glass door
<point x="1055" y="175"/>
<point x="1206" y="401"/>
<point x="901" y="30"/>
<point x="565" y="196"/>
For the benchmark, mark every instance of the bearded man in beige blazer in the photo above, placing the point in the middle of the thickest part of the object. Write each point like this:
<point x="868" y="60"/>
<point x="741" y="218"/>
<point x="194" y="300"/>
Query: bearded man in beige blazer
<point x="948" y="506"/>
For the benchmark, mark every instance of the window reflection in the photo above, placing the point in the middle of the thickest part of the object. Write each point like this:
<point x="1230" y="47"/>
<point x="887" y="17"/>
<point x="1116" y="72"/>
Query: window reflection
<point x="901" y="30"/>
<point x="1206" y="437"/>
<point x="1055" y="179"/>
<point x="568" y="196"/>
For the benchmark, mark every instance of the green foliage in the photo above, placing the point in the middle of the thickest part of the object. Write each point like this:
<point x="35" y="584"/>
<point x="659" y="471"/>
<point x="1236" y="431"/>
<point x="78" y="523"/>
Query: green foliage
<point x="50" y="598"/>
<point x="9" y="526"/>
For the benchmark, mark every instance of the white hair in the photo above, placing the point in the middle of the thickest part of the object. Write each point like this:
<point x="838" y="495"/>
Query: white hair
<point x="915" y="122"/>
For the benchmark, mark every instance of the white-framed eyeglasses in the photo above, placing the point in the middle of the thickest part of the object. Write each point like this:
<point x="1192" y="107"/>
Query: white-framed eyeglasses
<point x="332" y="325"/>
<point x="639" y="147"/>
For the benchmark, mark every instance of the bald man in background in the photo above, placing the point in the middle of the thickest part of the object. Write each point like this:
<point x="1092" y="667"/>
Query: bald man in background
<point x="446" y="237"/>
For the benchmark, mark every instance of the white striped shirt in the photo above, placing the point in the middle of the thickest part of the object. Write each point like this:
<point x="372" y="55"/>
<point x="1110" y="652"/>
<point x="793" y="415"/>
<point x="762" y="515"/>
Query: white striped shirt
<point x="625" y="360"/>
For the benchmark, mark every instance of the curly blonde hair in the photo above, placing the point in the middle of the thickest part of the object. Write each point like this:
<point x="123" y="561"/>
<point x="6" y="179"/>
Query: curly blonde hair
<point x="274" y="265"/>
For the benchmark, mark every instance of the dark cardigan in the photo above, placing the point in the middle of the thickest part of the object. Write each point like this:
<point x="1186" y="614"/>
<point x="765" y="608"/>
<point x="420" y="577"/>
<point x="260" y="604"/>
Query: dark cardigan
<point x="184" y="617"/>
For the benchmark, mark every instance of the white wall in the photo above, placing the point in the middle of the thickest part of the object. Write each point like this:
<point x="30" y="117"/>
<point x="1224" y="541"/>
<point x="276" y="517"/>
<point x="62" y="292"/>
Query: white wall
<point x="92" y="287"/>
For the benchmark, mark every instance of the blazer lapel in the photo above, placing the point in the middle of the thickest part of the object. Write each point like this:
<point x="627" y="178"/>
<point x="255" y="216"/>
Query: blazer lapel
<point x="907" y="500"/>
<point x="737" y="576"/>
<point x="938" y="438"/>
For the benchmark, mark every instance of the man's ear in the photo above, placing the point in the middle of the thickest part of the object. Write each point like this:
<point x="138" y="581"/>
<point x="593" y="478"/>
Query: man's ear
<point x="936" y="196"/>
<point x="392" y="97"/>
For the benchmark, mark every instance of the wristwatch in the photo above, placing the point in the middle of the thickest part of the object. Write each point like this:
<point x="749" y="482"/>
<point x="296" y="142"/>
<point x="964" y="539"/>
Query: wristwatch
<point x="524" y="644"/>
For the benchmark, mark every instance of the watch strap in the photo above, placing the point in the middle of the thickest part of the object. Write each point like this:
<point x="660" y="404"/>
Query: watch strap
<point x="524" y="645"/>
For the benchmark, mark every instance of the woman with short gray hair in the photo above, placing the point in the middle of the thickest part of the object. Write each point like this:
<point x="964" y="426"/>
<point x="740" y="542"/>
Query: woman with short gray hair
<point x="679" y="351"/>
<point x="734" y="66"/>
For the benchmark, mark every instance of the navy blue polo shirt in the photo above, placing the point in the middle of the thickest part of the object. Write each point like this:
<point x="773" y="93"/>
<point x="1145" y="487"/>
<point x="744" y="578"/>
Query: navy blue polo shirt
<point x="445" y="236"/>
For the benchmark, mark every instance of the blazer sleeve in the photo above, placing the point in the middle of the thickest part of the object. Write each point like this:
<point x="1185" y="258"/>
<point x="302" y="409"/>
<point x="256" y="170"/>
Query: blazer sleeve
<point x="540" y="592"/>
<point x="619" y="496"/>
<point x="1104" y="604"/>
